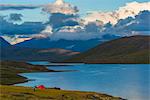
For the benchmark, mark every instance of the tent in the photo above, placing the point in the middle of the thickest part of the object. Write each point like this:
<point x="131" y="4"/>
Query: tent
<point x="41" y="87"/>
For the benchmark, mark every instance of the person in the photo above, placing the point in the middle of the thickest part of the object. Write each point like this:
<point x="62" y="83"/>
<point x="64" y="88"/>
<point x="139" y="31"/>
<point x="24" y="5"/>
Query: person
<point x="34" y="88"/>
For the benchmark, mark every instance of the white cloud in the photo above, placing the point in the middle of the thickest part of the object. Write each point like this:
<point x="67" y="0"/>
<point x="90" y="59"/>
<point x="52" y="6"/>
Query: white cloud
<point x="63" y="13"/>
<point x="60" y="7"/>
<point x="132" y="9"/>
<point x="104" y="17"/>
<point x="131" y="26"/>
<point x="47" y="32"/>
<point x="129" y="10"/>
<point x="71" y="29"/>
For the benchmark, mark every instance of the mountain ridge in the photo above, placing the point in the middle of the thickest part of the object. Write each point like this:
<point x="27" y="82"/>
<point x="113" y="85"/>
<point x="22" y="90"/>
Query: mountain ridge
<point x="73" y="45"/>
<point x="15" y="53"/>
<point x="133" y="49"/>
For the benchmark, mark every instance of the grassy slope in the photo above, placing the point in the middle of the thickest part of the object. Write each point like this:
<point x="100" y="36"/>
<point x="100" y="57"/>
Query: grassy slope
<point x="9" y="71"/>
<point x="26" y="93"/>
<point x="134" y="49"/>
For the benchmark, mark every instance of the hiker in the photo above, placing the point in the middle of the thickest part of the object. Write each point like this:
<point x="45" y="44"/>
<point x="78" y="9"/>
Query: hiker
<point x="34" y="88"/>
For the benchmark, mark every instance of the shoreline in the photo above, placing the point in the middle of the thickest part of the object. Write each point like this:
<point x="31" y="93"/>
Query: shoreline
<point x="27" y="80"/>
<point x="24" y="93"/>
<point x="10" y="76"/>
<point x="104" y="62"/>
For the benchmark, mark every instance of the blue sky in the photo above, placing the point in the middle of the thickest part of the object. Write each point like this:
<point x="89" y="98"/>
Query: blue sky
<point x="83" y="5"/>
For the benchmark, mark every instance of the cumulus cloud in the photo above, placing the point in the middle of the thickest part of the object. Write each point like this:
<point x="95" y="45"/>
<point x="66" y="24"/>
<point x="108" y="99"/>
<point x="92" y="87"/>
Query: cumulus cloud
<point x="71" y="29"/>
<point x="132" y="9"/>
<point x="104" y="17"/>
<point x="129" y="10"/>
<point x="24" y="28"/>
<point x="47" y="32"/>
<point x="58" y="20"/>
<point x="15" y="17"/>
<point x="131" y="26"/>
<point x="17" y="7"/>
<point x="124" y="27"/>
<point x="93" y="27"/>
<point x="64" y="23"/>
<point x="60" y="7"/>
<point x="61" y="14"/>
<point x="141" y="22"/>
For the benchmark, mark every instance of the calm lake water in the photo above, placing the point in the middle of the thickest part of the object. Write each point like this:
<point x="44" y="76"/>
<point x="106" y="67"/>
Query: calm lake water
<point x="124" y="80"/>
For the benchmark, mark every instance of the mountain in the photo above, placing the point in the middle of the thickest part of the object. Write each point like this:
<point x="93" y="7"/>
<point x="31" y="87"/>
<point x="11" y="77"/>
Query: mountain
<point x="27" y="54"/>
<point x="3" y="42"/>
<point x="74" y="45"/>
<point x="14" y="53"/>
<point x="133" y="49"/>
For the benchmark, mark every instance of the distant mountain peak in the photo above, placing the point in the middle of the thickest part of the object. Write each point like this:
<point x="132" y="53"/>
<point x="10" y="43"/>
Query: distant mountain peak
<point x="3" y="42"/>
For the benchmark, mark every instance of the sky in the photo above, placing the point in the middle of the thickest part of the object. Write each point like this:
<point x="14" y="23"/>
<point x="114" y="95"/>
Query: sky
<point x="73" y="19"/>
<point x="84" y="7"/>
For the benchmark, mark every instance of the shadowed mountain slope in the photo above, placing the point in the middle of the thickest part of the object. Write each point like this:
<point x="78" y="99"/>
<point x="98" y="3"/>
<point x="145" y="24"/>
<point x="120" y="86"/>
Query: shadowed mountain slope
<point x="73" y="45"/>
<point x="133" y="49"/>
<point x="15" y="53"/>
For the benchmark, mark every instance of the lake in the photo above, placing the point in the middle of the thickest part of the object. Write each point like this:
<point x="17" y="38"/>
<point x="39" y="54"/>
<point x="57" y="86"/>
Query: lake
<point x="130" y="81"/>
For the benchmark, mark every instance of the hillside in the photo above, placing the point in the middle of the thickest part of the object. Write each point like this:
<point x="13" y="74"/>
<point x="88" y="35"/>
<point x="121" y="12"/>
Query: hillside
<point x="133" y="49"/>
<point x="15" y="53"/>
<point x="9" y="71"/>
<point x="27" y="93"/>
<point x="28" y="54"/>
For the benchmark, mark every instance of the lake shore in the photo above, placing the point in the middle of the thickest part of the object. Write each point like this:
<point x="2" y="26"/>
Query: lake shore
<point x="10" y="71"/>
<point x="10" y="75"/>
<point x="25" y="93"/>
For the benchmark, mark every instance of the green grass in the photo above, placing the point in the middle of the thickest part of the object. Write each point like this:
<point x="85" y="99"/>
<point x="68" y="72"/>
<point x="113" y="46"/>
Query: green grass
<point x="27" y="93"/>
<point x="9" y="71"/>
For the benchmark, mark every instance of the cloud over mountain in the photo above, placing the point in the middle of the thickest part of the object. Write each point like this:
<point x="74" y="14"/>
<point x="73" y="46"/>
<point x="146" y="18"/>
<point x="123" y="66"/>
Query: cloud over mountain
<point x="130" y="26"/>
<point x="47" y="32"/>
<point x="124" y="27"/>
<point x="129" y="10"/>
